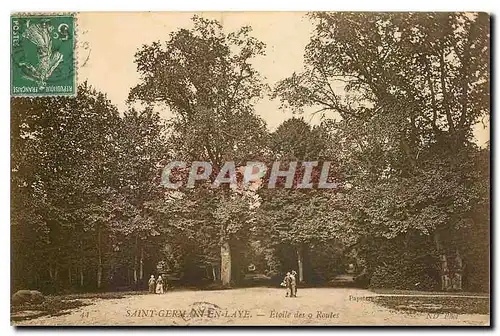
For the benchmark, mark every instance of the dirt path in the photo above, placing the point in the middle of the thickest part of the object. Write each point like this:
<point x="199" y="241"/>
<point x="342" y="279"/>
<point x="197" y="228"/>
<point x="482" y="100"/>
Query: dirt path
<point x="250" y="306"/>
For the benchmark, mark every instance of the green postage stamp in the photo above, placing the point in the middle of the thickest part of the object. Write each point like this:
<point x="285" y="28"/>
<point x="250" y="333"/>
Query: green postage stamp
<point x="42" y="55"/>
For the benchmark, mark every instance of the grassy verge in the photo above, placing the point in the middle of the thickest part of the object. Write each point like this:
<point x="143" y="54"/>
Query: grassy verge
<point x="103" y="295"/>
<point x="437" y="304"/>
<point x="55" y="305"/>
<point x="52" y="306"/>
<point x="416" y="292"/>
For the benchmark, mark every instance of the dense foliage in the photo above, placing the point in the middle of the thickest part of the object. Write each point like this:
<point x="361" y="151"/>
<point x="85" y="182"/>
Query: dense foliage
<point x="88" y="211"/>
<point x="408" y="89"/>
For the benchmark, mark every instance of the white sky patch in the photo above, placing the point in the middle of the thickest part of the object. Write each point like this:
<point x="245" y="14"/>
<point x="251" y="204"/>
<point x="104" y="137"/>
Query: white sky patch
<point x="113" y="38"/>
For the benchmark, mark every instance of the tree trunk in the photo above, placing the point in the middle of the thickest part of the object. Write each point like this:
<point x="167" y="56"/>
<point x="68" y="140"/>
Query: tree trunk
<point x="141" y="265"/>
<point x="225" y="264"/>
<point x="99" y="274"/>
<point x="301" y="264"/>
<point x="437" y="242"/>
<point x="444" y="270"/>
<point x="81" y="263"/>
<point x="457" y="276"/>
<point x="135" y="270"/>
<point x="135" y="260"/>
<point x="99" y="265"/>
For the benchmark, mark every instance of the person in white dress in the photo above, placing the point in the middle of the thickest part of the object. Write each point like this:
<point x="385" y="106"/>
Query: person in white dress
<point x="159" y="285"/>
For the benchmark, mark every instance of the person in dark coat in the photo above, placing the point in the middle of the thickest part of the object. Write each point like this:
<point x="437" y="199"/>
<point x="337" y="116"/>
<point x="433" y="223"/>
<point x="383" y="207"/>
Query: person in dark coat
<point x="165" y="283"/>
<point x="287" y="281"/>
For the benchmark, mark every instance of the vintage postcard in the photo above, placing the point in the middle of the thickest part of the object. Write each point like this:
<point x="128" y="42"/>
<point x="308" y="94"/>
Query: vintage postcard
<point x="250" y="169"/>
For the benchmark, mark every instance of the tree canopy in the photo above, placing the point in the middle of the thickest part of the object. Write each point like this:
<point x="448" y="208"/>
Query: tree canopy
<point x="412" y="186"/>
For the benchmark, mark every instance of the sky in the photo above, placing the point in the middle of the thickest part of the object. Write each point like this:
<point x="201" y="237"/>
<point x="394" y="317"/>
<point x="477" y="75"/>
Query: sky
<point x="107" y="42"/>
<point x="113" y="38"/>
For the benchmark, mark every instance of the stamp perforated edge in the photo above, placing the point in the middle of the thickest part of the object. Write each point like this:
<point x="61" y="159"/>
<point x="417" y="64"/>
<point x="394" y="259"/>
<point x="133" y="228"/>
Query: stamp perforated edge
<point x="75" y="54"/>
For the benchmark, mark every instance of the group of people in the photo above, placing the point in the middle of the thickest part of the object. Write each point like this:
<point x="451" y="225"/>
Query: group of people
<point x="290" y="283"/>
<point x="158" y="286"/>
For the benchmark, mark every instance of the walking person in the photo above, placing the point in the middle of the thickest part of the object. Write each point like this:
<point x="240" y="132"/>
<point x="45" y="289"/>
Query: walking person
<point x="151" y="284"/>
<point x="293" y="284"/>
<point x="165" y="283"/>
<point x="159" y="285"/>
<point x="287" y="283"/>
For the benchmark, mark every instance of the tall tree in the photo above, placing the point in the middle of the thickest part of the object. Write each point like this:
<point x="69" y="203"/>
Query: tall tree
<point x="141" y="148"/>
<point x="63" y="163"/>
<point x="408" y="89"/>
<point x="206" y="78"/>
